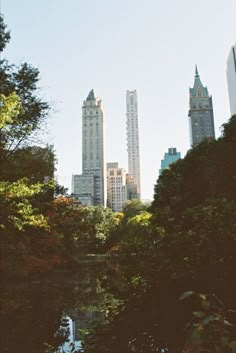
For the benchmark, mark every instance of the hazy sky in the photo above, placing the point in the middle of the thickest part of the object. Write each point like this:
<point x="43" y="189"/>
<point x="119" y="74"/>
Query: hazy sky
<point x="117" y="45"/>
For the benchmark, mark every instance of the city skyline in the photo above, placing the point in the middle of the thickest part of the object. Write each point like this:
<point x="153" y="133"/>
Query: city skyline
<point x="151" y="47"/>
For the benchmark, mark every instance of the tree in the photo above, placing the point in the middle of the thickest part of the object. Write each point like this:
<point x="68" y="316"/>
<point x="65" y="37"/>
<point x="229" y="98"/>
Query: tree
<point x="26" y="241"/>
<point x="34" y="162"/>
<point x="140" y="236"/>
<point x="229" y="130"/>
<point x="4" y="35"/>
<point x="22" y="81"/>
<point x="132" y="208"/>
<point x="207" y="172"/>
<point x="82" y="229"/>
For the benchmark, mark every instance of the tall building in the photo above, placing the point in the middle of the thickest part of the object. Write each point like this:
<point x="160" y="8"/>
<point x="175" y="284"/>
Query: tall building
<point x="131" y="187"/>
<point x="116" y="187"/>
<point x="83" y="188"/>
<point x="133" y="138"/>
<point x="90" y="187"/>
<point x="201" y="117"/>
<point x="170" y="157"/>
<point x="231" y="79"/>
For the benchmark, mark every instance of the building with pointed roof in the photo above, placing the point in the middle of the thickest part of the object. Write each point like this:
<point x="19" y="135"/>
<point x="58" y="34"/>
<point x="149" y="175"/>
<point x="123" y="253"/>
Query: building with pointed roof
<point x="231" y="79"/>
<point x="201" y="116"/>
<point x="90" y="186"/>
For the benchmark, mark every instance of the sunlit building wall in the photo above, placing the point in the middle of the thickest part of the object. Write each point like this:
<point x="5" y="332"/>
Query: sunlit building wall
<point x="116" y="187"/>
<point x="231" y="79"/>
<point x="133" y="138"/>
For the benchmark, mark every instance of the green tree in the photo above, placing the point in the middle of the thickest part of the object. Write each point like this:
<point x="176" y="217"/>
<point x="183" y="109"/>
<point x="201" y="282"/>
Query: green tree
<point x="207" y="172"/>
<point x="82" y="229"/>
<point x="34" y="162"/>
<point x="22" y="81"/>
<point x="140" y="236"/>
<point x="4" y="35"/>
<point x="229" y="130"/>
<point x="132" y="208"/>
<point x="27" y="244"/>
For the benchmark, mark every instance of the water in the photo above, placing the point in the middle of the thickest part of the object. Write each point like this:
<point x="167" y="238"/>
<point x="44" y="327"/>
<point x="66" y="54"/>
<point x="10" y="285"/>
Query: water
<point x="38" y="314"/>
<point x="99" y="307"/>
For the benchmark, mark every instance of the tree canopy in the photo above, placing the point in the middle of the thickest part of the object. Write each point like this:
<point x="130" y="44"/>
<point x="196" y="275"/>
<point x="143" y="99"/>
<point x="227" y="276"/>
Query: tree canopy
<point x="28" y="108"/>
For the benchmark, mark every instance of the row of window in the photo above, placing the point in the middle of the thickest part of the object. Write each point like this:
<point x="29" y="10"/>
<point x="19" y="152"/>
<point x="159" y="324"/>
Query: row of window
<point x="91" y="112"/>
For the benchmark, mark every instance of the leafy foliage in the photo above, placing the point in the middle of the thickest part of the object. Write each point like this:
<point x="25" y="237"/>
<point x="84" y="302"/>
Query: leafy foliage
<point x="209" y="330"/>
<point x="24" y="173"/>
<point x="207" y="172"/>
<point x="16" y="210"/>
<point x="18" y="86"/>
<point x="9" y="108"/>
<point x="4" y="35"/>
<point x="82" y="229"/>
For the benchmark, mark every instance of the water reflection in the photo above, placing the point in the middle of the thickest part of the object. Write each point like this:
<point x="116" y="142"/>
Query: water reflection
<point x="97" y="308"/>
<point x="59" y="311"/>
<point x="72" y="343"/>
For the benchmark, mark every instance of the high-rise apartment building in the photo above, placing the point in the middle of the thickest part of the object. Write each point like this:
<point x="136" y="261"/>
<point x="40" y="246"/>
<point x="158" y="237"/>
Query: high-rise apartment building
<point x="133" y="138"/>
<point x="201" y="117"/>
<point x="116" y="187"/>
<point x="231" y="79"/>
<point x="90" y="187"/>
<point x="170" y="157"/>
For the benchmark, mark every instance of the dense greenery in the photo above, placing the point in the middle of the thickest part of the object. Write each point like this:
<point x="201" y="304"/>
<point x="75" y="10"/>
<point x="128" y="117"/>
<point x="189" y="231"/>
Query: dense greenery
<point x="195" y="202"/>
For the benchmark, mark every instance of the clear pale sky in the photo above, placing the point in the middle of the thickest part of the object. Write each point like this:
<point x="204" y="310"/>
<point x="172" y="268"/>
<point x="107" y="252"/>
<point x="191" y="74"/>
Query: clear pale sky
<point x="117" y="45"/>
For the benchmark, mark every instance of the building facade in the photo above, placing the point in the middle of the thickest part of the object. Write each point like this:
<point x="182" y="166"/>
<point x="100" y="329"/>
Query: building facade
<point x="116" y="187"/>
<point x="83" y="188"/>
<point x="170" y="157"/>
<point x="133" y="138"/>
<point x="201" y="116"/>
<point x="90" y="186"/>
<point x="231" y="79"/>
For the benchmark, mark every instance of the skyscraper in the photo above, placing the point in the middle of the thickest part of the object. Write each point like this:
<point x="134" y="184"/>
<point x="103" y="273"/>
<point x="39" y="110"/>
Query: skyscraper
<point x="201" y="117"/>
<point x="133" y="138"/>
<point x="231" y="79"/>
<point x="90" y="187"/>
<point x="170" y="157"/>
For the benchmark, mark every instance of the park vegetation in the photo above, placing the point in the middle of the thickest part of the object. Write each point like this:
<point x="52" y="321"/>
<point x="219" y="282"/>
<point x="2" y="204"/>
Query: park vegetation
<point x="187" y="234"/>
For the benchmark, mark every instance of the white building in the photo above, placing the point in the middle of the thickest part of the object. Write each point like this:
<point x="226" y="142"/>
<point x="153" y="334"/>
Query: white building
<point x="133" y="138"/>
<point x="90" y="187"/>
<point x="116" y="187"/>
<point x="231" y="79"/>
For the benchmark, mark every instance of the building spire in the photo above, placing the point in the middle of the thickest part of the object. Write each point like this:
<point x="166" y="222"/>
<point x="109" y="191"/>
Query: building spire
<point x="91" y="95"/>
<point x="196" y="71"/>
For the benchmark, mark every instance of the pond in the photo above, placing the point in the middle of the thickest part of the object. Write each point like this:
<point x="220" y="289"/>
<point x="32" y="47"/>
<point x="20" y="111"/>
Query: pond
<point x="97" y="307"/>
